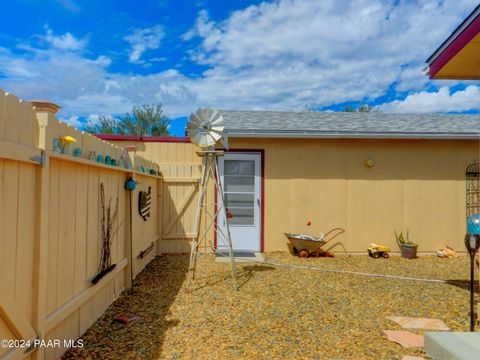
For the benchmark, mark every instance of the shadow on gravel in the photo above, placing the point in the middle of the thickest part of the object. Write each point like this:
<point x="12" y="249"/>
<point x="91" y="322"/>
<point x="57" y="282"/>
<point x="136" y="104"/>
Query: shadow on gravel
<point x="248" y="272"/>
<point x="464" y="284"/>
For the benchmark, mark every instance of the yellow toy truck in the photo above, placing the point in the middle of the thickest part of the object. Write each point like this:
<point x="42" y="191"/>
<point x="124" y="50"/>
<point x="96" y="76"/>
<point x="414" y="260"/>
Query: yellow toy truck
<point x="375" y="251"/>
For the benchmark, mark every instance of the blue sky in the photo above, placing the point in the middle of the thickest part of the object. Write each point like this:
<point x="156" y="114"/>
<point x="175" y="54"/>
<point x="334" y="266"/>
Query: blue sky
<point x="102" y="57"/>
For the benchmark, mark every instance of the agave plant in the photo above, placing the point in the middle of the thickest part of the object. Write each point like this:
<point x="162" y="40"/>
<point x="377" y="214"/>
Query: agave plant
<point x="404" y="241"/>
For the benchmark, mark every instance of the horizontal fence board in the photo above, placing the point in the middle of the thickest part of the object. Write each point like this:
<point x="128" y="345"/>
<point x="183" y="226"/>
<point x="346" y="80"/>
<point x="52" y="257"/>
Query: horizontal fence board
<point x="18" y="152"/>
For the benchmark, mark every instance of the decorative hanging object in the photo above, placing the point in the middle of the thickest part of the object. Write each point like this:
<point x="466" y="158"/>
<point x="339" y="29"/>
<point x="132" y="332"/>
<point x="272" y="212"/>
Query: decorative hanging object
<point x="144" y="202"/>
<point x="130" y="184"/>
<point x="472" y="175"/>
<point x="108" y="227"/>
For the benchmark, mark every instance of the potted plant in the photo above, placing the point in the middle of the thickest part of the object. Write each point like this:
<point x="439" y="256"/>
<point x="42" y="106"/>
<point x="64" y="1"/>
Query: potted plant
<point x="408" y="248"/>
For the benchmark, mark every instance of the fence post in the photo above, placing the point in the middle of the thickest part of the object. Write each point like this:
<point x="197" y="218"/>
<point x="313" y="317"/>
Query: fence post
<point x="44" y="110"/>
<point x="131" y="231"/>
<point x="159" y="216"/>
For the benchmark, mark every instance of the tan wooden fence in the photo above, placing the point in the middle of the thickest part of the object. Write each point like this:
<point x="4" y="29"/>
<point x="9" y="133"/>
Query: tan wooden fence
<point x="180" y="168"/>
<point x="50" y="219"/>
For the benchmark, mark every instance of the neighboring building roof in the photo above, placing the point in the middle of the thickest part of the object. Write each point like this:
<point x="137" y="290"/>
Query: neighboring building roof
<point x="166" y="139"/>
<point x="459" y="55"/>
<point x="349" y="125"/>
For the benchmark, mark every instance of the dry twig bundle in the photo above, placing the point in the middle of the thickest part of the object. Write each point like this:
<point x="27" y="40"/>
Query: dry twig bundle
<point x="108" y="228"/>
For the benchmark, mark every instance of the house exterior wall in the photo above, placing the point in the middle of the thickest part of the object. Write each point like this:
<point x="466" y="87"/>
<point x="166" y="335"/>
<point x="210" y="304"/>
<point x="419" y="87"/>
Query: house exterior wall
<point x="417" y="185"/>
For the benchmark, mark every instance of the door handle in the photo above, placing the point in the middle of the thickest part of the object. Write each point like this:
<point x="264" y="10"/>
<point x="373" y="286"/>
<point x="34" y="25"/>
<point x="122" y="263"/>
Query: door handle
<point x="258" y="201"/>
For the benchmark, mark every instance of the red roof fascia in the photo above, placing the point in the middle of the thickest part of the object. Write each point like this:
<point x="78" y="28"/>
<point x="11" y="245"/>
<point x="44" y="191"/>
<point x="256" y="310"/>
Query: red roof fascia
<point x="166" y="139"/>
<point x="456" y="45"/>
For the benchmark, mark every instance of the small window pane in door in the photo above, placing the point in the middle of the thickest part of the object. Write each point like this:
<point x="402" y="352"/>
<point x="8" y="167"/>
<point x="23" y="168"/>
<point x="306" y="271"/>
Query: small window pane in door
<point x="241" y="216"/>
<point x="240" y="200"/>
<point x="235" y="183"/>
<point x="239" y="167"/>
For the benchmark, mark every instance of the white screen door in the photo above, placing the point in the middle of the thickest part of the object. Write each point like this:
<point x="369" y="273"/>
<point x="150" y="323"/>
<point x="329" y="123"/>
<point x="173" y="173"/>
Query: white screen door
<point x="241" y="182"/>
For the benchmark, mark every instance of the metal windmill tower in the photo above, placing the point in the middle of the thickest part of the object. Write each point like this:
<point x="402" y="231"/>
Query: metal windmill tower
<point x="205" y="129"/>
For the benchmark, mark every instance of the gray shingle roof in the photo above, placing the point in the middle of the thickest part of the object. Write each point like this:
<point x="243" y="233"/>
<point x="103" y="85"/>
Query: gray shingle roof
<point x="345" y="124"/>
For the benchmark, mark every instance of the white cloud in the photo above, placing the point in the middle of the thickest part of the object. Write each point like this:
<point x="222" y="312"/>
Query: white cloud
<point x="442" y="100"/>
<point x="72" y="120"/>
<point x="289" y="53"/>
<point x="85" y="86"/>
<point x="63" y="42"/>
<point x="279" y="55"/>
<point x="53" y="74"/>
<point x="142" y="40"/>
<point x="412" y="78"/>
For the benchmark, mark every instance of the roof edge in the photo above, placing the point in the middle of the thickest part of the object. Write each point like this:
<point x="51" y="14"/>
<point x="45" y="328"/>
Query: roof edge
<point x="350" y="135"/>
<point x="455" y="43"/>
<point x="455" y="33"/>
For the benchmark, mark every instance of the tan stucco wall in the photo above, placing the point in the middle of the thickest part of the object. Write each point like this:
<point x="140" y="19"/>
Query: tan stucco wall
<point x="415" y="185"/>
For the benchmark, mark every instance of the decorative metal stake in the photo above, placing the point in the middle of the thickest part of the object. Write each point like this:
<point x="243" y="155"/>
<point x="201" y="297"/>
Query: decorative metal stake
<point x="472" y="243"/>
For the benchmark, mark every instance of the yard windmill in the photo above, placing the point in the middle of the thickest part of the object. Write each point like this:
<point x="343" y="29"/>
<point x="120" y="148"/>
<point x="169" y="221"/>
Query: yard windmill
<point x="205" y="129"/>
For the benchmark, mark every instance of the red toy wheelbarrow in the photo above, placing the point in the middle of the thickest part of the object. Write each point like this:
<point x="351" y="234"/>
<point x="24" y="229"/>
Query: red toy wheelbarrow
<point x="305" y="245"/>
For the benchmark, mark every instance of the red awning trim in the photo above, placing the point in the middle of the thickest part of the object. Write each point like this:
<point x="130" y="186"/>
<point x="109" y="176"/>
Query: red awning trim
<point x="455" y="46"/>
<point x="166" y="139"/>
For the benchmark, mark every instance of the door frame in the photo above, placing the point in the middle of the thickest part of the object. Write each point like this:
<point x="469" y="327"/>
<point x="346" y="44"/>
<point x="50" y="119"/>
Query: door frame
<point x="262" y="196"/>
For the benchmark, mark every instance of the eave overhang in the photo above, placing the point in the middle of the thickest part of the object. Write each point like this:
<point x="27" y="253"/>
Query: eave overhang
<point x="459" y="55"/>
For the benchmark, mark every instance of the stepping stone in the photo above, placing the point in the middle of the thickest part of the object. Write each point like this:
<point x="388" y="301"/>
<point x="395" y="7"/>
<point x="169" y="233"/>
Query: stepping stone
<point x="406" y="339"/>
<point x="419" y="323"/>
<point x="410" y="357"/>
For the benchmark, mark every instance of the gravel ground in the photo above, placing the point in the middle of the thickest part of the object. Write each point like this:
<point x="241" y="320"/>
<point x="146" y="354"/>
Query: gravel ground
<point x="278" y="313"/>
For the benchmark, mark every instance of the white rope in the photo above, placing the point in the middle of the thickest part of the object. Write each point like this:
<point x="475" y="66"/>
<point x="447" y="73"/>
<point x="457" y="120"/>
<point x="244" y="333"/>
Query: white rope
<point x="357" y="273"/>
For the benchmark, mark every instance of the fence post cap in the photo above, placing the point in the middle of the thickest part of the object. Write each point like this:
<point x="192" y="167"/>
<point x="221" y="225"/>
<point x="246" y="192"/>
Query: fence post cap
<point x="45" y="105"/>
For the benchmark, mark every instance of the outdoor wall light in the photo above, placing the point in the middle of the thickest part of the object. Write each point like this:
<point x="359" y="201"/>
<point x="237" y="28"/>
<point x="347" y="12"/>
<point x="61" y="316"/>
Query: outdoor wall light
<point x="472" y="243"/>
<point x="370" y="162"/>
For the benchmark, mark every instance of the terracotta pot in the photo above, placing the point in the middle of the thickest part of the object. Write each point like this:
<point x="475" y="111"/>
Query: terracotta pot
<point x="409" y="252"/>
